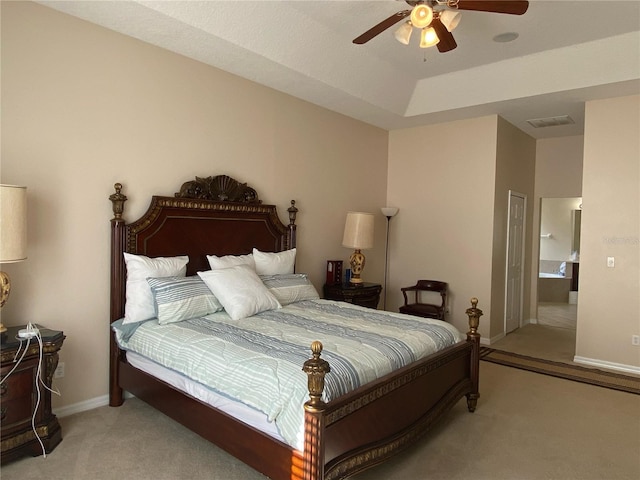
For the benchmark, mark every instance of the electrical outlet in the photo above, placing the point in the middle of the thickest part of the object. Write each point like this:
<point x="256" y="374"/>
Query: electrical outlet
<point x="635" y="340"/>
<point x="611" y="262"/>
<point x="59" y="373"/>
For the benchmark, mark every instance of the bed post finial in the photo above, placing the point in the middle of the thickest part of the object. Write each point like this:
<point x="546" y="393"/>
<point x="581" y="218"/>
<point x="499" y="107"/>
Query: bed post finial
<point x="473" y="336"/>
<point x="118" y="199"/>
<point x="474" y="314"/>
<point x="316" y="368"/>
<point x="293" y="211"/>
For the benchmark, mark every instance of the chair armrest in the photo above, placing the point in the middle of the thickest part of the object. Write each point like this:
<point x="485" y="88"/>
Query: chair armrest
<point x="404" y="293"/>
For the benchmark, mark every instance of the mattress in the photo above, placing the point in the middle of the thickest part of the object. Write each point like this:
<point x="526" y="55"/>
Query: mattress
<point x="257" y="361"/>
<point x="235" y="408"/>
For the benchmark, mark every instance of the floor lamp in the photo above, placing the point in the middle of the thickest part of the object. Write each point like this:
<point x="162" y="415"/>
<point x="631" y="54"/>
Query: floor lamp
<point x="387" y="212"/>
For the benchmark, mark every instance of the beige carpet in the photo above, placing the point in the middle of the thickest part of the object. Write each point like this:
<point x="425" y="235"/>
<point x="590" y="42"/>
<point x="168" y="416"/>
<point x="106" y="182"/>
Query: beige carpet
<point x="527" y="427"/>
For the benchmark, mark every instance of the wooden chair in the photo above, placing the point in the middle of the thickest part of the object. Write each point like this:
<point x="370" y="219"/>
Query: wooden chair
<point x="421" y="309"/>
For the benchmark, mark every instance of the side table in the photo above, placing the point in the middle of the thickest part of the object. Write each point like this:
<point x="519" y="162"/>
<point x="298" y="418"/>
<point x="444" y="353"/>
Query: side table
<point x="18" y="395"/>
<point x="363" y="294"/>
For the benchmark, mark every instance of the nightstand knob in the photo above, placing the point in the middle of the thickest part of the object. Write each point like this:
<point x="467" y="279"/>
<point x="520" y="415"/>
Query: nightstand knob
<point x="3" y="389"/>
<point x="3" y="413"/>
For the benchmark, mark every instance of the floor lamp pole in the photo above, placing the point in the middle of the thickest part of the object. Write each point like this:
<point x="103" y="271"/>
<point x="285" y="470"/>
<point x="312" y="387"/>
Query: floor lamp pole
<point x="387" y="212"/>
<point x="386" y="266"/>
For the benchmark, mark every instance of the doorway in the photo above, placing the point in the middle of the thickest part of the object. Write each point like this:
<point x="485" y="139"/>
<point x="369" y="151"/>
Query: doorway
<point x="552" y="335"/>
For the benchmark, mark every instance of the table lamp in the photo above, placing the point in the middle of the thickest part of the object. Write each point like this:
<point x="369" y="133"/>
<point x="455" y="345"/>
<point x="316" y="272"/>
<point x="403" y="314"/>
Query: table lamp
<point x="358" y="234"/>
<point x="13" y="234"/>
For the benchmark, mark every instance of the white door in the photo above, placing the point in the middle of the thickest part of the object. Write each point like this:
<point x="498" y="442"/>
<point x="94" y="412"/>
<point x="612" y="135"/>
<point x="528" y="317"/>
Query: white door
<point x="515" y="261"/>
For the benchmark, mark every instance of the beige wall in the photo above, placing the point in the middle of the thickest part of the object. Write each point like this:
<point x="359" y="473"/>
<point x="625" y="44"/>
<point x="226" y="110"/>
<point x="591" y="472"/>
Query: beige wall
<point x="609" y="303"/>
<point x="442" y="178"/>
<point x="453" y="198"/>
<point x="84" y="107"/>
<point x="515" y="170"/>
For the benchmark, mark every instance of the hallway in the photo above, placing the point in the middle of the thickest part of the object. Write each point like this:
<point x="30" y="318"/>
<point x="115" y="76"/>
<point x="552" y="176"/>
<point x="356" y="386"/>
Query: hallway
<point x="552" y="338"/>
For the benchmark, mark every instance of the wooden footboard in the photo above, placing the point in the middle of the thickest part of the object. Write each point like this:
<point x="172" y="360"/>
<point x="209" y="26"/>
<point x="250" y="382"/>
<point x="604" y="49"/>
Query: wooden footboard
<point x="379" y="419"/>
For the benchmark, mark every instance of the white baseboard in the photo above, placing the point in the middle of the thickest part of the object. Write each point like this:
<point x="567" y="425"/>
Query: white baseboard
<point x="90" y="404"/>
<point x="492" y="340"/>
<point x="621" y="367"/>
<point x="82" y="406"/>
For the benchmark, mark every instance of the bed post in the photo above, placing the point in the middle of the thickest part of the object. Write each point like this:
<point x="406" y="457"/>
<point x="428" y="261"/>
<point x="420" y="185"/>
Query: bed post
<point x="293" y="211"/>
<point x="473" y="336"/>
<point x="315" y="368"/>
<point x="117" y="291"/>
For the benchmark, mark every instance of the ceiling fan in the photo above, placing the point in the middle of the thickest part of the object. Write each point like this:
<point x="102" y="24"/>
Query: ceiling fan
<point x="437" y="18"/>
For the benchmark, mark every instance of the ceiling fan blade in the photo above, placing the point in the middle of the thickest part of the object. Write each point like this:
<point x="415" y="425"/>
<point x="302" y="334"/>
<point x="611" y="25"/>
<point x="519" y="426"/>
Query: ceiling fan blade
<point x="513" y="7"/>
<point x="447" y="42"/>
<point x="381" y="27"/>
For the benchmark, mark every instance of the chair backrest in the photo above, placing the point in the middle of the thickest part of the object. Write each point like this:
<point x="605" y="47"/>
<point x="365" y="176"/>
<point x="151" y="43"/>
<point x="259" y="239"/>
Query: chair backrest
<point x="427" y="286"/>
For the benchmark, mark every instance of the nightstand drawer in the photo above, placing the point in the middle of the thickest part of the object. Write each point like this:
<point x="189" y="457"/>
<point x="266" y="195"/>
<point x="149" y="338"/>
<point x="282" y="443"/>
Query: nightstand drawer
<point x="16" y="395"/>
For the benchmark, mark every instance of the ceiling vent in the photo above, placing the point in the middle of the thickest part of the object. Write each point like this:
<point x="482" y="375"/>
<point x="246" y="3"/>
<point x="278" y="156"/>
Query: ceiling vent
<point x="551" y="121"/>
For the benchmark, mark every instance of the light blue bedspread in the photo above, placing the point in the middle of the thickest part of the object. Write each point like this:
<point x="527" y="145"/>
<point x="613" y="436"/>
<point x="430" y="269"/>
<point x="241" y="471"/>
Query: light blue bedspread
<point x="258" y="360"/>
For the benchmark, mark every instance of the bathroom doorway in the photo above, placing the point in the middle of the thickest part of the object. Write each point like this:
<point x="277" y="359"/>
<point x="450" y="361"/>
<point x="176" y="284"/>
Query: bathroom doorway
<point x="559" y="261"/>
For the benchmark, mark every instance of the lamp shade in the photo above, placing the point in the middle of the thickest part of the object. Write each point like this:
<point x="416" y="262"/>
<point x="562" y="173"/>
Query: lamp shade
<point x="428" y="38"/>
<point x="421" y="15"/>
<point x="450" y="19"/>
<point x="403" y="33"/>
<point x="389" y="211"/>
<point x="13" y="223"/>
<point x="358" y="230"/>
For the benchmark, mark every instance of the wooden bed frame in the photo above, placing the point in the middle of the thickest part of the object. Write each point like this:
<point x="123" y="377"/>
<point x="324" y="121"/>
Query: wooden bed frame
<point x="220" y="216"/>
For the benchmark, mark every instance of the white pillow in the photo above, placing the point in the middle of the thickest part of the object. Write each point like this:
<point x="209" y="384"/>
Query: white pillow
<point x="278" y="263"/>
<point x="227" y="261"/>
<point x="140" y="304"/>
<point x="240" y="291"/>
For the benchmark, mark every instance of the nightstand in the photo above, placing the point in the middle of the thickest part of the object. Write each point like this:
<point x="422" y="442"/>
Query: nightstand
<point x="364" y="294"/>
<point x="18" y="395"/>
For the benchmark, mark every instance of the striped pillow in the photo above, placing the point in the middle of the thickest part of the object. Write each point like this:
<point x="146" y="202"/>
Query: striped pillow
<point x="182" y="298"/>
<point x="290" y="287"/>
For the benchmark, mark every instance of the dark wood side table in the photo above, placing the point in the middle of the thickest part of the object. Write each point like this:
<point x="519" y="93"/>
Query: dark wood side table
<point x="364" y="294"/>
<point x="18" y="395"/>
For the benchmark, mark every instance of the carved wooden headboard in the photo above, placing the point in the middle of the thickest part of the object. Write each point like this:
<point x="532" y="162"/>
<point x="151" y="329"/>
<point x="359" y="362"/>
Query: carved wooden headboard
<point x="208" y="216"/>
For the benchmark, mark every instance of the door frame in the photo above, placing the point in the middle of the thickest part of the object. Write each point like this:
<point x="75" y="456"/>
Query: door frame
<point x="513" y="193"/>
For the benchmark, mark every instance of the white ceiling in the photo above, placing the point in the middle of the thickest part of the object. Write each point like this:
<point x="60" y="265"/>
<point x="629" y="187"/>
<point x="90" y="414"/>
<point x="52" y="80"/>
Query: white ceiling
<point x="567" y="52"/>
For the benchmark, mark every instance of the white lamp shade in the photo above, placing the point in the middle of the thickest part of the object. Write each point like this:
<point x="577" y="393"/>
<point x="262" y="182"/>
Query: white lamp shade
<point x="450" y="19"/>
<point x="358" y="231"/>
<point x="389" y="211"/>
<point x="13" y="223"/>
<point x="403" y="33"/>
<point x="421" y="15"/>
<point x="428" y="38"/>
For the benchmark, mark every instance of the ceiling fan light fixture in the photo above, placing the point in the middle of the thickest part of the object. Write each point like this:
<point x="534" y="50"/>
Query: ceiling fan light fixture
<point x="403" y="33"/>
<point x="450" y="19"/>
<point x="421" y="15"/>
<point x="428" y="38"/>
